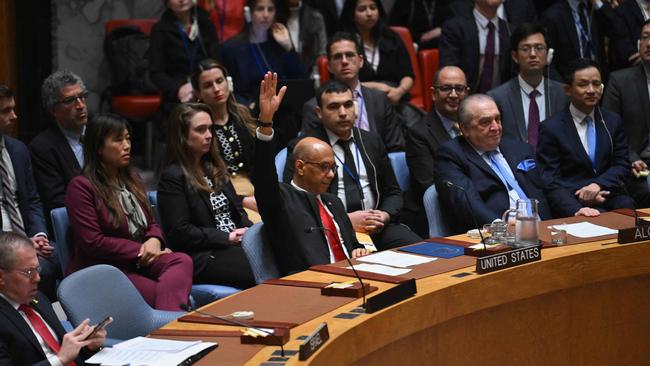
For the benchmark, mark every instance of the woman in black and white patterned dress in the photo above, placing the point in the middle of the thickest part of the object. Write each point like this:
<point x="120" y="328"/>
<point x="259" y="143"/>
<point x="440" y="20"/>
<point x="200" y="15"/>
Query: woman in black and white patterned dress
<point x="233" y="126"/>
<point x="200" y="211"/>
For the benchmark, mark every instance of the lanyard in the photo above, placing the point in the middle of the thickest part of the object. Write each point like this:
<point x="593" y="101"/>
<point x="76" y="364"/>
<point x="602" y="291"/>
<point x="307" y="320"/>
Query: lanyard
<point x="254" y="50"/>
<point x="190" y="53"/>
<point x="584" y="34"/>
<point x="355" y="178"/>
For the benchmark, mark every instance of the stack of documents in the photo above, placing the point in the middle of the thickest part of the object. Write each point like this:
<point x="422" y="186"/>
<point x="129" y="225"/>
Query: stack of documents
<point x="143" y="351"/>
<point x="385" y="263"/>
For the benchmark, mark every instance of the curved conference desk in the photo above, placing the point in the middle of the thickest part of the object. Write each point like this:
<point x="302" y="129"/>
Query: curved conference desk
<point x="586" y="304"/>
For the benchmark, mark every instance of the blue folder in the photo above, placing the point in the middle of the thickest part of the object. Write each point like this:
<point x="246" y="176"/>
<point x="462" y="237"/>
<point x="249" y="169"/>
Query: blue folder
<point x="434" y="249"/>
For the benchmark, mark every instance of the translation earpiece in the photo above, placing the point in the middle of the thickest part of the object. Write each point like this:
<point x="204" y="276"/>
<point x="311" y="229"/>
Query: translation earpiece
<point x="247" y="14"/>
<point x="231" y="86"/>
<point x="549" y="56"/>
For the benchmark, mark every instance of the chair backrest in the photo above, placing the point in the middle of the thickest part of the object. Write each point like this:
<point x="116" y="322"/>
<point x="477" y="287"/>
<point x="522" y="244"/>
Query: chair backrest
<point x="429" y="62"/>
<point x="280" y="162"/>
<point x="153" y="201"/>
<point x="401" y="169"/>
<point x="259" y="253"/>
<point x="323" y="71"/>
<point x="99" y="291"/>
<point x="416" y="90"/>
<point x="144" y="25"/>
<point x="437" y="226"/>
<point x="61" y="227"/>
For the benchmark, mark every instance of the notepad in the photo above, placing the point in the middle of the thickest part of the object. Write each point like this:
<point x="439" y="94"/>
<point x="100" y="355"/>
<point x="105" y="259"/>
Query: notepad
<point x="588" y="230"/>
<point x="395" y="259"/>
<point x="434" y="249"/>
<point x="142" y="351"/>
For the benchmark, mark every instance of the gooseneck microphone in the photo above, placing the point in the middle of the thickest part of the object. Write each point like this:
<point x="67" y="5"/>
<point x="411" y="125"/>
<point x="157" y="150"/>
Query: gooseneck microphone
<point x="188" y="308"/>
<point x="451" y="184"/>
<point x="311" y="229"/>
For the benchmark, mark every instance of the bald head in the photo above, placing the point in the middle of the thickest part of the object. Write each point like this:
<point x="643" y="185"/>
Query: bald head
<point x="314" y="160"/>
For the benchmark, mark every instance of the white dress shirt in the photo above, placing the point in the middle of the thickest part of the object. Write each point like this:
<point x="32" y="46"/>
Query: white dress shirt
<point x="581" y="126"/>
<point x="525" y="99"/>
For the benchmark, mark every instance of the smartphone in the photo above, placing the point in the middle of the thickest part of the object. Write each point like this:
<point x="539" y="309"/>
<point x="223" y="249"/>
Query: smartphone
<point x="100" y="326"/>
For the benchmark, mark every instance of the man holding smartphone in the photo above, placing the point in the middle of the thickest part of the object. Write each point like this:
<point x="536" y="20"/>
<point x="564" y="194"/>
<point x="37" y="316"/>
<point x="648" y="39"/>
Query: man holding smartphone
<point x="30" y="332"/>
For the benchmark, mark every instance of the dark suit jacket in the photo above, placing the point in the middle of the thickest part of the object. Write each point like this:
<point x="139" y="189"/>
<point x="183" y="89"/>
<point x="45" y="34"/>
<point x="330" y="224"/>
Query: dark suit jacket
<point x="291" y="217"/>
<point x="508" y="99"/>
<point x="375" y="158"/>
<point x="29" y="203"/>
<point x="631" y="17"/>
<point x="188" y="220"/>
<point x="94" y="237"/>
<point x="564" y="161"/>
<point x="459" y="46"/>
<point x="563" y="37"/>
<point x="458" y="162"/>
<point x="627" y="95"/>
<point x="54" y="166"/>
<point x="18" y="344"/>
<point x="518" y="12"/>
<point x="381" y="117"/>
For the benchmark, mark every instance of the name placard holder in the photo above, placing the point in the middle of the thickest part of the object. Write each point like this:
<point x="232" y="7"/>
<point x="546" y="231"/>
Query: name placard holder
<point x="313" y="342"/>
<point x="391" y="296"/>
<point x="634" y="234"/>
<point x="508" y="259"/>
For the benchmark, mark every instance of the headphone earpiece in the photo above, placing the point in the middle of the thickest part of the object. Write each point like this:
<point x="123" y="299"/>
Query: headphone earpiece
<point x="231" y="86"/>
<point x="638" y="45"/>
<point x="549" y="56"/>
<point x="356" y="108"/>
<point x="247" y="14"/>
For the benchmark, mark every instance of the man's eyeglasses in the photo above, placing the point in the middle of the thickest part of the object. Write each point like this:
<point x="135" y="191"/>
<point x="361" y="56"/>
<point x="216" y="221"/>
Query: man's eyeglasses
<point x="446" y="89"/>
<point x="324" y="167"/>
<point x="539" y="48"/>
<point x="339" y="56"/>
<point x="28" y="272"/>
<point x="73" y="98"/>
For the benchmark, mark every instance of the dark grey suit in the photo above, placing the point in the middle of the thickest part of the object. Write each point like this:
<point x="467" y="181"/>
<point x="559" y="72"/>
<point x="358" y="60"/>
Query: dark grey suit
<point x="382" y="118"/>
<point x="508" y="98"/>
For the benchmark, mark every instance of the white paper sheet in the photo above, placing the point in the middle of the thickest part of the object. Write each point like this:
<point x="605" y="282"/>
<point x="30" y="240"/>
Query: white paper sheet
<point x="396" y="259"/>
<point x="154" y="344"/>
<point x="138" y="357"/>
<point x="378" y="268"/>
<point x="588" y="230"/>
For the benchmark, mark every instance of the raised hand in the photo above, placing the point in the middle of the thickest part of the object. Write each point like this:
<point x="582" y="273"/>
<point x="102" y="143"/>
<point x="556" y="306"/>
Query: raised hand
<point x="269" y="101"/>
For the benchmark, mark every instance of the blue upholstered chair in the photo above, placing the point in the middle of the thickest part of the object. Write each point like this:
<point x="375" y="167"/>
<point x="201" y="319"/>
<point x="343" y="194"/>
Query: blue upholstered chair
<point x="280" y="162"/>
<point x="201" y="293"/>
<point x="61" y="226"/>
<point x="437" y="226"/>
<point x="99" y="291"/>
<point x="398" y="162"/>
<point x="259" y="253"/>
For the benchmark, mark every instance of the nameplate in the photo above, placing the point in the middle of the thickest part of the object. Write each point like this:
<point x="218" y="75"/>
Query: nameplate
<point x="313" y="342"/>
<point x="391" y="296"/>
<point x="508" y="259"/>
<point x="634" y="234"/>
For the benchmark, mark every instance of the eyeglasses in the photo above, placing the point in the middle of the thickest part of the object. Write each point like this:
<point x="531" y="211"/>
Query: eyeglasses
<point x="73" y="98"/>
<point x="28" y="272"/>
<point x="644" y="37"/>
<point x="339" y="56"/>
<point x="324" y="167"/>
<point x="446" y="89"/>
<point x="539" y="48"/>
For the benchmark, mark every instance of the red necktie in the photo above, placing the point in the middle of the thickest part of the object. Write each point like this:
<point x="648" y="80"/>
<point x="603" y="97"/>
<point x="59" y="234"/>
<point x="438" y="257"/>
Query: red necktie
<point x="41" y="329"/>
<point x="331" y="233"/>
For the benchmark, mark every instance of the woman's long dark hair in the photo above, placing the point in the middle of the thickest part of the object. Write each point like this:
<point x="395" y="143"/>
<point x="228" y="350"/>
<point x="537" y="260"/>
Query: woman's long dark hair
<point x="178" y="151"/>
<point x="347" y="20"/>
<point x="241" y="113"/>
<point x="98" y="129"/>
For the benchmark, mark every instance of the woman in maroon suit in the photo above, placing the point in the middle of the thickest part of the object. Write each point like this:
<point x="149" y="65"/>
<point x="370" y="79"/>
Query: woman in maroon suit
<point x="112" y="222"/>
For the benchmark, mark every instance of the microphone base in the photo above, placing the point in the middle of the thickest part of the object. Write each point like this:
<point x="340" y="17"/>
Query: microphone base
<point x="279" y="337"/>
<point x="355" y="290"/>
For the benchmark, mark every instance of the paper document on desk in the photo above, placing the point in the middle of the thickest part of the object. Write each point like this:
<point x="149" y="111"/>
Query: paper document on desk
<point x="142" y="351"/>
<point x="396" y="259"/>
<point x="378" y="268"/>
<point x="588" y="230"/>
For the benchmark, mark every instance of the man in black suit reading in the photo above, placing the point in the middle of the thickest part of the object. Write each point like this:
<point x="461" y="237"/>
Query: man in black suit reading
<point x="305" y="224"/>
<point x="30" y="333"/>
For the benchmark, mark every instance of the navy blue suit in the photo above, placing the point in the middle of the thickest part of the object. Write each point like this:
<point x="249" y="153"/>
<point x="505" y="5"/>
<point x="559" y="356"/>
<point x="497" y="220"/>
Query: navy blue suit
<point x="457" y="161"/>
<point x="564" y="160"/>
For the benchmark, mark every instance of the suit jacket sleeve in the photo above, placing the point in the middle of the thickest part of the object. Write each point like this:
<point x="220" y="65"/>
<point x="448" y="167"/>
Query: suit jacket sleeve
<point x="35" y="210"/>
<point x="612" y="101"/>
<point x="265" y="181"/>
<point x="82" y="205"/>
<point x="48" y="177"/>
<point x="176" y="216"/>
<point x="619" y="167"/>
<point x="419" y="159"/>
<point x="451" y="166"/>
<point x="309" y="118"/>
<point x="393" y="135"/>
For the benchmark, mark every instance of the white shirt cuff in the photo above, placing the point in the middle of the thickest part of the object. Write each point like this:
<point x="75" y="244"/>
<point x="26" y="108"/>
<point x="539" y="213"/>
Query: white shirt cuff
<point x="41" y="234"/>
<point x="263" y="137"/>
<point x="54" y="361"/>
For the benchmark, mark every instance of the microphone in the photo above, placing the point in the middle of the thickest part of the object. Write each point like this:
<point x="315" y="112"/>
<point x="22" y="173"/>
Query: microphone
<point x="451" y="184"/>
<point x="189" y="308"/>
<point x="311" y="229"/>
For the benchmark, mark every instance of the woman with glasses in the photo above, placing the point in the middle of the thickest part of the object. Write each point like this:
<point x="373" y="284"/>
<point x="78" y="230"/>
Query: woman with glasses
<point x="112" y="222"/>
<point x="233" y="125"/>
<point x="200" y="211"/>
<point x="263" y="45"/>
<point x="386" y="64"/>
